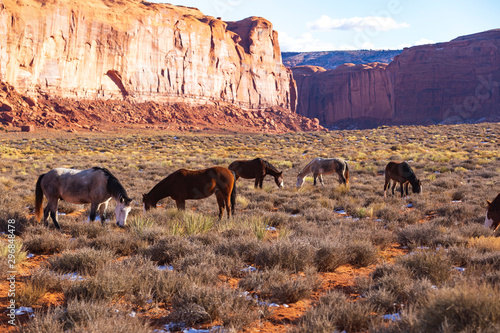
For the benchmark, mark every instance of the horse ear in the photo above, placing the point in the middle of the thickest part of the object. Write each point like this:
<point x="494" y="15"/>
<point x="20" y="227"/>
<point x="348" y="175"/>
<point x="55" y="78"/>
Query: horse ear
<point x="122" y="200"/>
<point x="281" y="173"/>
<point x="488" y="202"/>
<point x="128" y="200"/>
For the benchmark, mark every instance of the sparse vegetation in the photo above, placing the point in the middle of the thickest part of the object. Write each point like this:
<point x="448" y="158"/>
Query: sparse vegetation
<point x="412" y="257"/>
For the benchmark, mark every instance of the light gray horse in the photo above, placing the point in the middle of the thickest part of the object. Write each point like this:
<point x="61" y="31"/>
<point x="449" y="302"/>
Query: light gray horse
<point x="95" y="186"/>
<point x="324" y="166"/>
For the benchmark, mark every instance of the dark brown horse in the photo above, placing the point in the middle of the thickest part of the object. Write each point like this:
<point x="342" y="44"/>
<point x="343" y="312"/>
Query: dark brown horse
<point x="183" y="185"/>
<point x="258" y="169"/>
<point x="403" y="174"/>
<point x="492" y="219"/>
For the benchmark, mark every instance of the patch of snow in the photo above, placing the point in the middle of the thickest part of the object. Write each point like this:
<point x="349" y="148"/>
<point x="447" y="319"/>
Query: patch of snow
<point x="409" y="205"/>
<point x="165" y="268"/>
<point x="23" y="310"/>
<point x="249" y="269"/>
<point x="72" y="277"/>
<point x="393" y="317"/>
<point x="460" y="269"/>
<point x="340" y="211"/>
<point x="30" y="255"/>
<point x="270" y="228"/>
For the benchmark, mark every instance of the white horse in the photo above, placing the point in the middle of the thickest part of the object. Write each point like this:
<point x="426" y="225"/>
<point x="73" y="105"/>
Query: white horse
<point x="324" y="166"/>
<point x="95" y="186"/>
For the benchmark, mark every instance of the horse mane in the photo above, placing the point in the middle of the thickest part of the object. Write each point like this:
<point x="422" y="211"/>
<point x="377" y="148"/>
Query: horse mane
<point x="307" y="167"/>
<point x="113" y="185"/>
<point x="412" y="178"/>
<point x="269" y="166"/>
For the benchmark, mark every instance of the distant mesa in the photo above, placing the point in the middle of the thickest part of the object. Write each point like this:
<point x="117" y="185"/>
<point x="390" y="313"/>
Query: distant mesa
<point x="452" y="82"/>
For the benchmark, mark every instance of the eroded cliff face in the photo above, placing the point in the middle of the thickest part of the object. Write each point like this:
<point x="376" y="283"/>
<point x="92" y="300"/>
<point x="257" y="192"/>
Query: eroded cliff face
<point x="134" y="50"/>
<point x="448" y="82"/>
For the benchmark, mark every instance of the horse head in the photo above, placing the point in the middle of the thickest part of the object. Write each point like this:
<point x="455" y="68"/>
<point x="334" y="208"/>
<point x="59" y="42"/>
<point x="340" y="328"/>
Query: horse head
<point x="147" y="203"/>
<point x="121" y="211"/>
<point x="417" y="186"/>
<point x="300" y="180"/>
<point x="279" y="180"/>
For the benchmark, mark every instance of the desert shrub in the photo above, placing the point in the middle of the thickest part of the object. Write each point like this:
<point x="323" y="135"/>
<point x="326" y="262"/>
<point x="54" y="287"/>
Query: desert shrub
<point x="485" y="244"/>
<point x="429" y="234"/>
<point x="11" y="209"/>
<point x="278" y="285"/>
<point x="434" y="266"/>
<point x="88" y="316"/>
<point x="459" y="309"/>
<point x="241" y="247"/>
<point x="36" y="286"/>
<point x="12" y="251"/>
<point x="43" y="241"/>
<point x="84" y="261"/>
<point x="361" y="253"/>
<point x="201" y="304"/>
<point x="90" y="230"/>
<point x="135" y="278"/>
<point x="45" y="322"/>
<point x="335" y="312"/>
<point x="166" y="250"/>
<point x="295" y="256"/>
<point x="120" y="243"/>
<point x="394" y="282"/>
<point x="330" y="255"/>
<point x="205" y="267"/>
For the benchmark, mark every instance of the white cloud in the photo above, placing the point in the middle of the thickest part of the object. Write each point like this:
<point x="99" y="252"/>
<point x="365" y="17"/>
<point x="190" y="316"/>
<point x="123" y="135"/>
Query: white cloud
<point x="304" y="43"/>
<point x="374" y="23"/>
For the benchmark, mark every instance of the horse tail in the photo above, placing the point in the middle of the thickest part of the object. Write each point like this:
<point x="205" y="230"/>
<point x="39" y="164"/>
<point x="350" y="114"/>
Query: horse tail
<point x="38" y="198"/>
<point x="233" y="193"/>
<point x="346" y="173"/>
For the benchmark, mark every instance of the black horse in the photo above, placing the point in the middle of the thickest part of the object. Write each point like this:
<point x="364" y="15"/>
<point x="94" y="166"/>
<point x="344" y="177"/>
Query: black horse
<point x="258" y="169"/>
<point x="403" y="174"/>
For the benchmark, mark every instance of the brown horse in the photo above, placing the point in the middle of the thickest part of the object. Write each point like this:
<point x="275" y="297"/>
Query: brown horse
<point x="492" y="219"/>
<point x="324" y="166"/>
<point x="258" y="169"/>
<point x="183" y="185"/>
<point x="403" y="174"/>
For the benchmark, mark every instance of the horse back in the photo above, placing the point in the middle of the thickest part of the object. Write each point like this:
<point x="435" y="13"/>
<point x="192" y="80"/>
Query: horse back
<point x="248" y="168"/>
<point x="400" y="172"/>
<point x="199" y="184"/>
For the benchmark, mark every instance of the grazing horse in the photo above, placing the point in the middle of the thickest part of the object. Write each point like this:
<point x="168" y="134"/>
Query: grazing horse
<point x="403" y="174"/>
<point x="258" y="169"/>
<point x="492" y="219"/>
<point x="183" y="184"/>
<point x="95" y="186"/>
<point x="324" y="166"/>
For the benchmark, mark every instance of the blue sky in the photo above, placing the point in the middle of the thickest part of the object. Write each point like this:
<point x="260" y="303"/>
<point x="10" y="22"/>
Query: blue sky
<point x="323" y="25"/>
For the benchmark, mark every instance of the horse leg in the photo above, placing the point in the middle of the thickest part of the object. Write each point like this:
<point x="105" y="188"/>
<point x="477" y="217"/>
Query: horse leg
<point x="406" y="188"/>
<point x="102" y="211"/>
<point x="181" y="204"/>
<point x="46" y="213"/>
<point x="93" y="211"/>
<point x="386" y="185"/>
<point x="261" y="181"/>
<point x="401" y="188"/>
<point x="393" y="186"/>
<point x="52" y="208"/>
<point x="315" y="175"/>
<point x="320" y="176"/>
<point x="256" y="182"/>
<point x="221" y="203"/>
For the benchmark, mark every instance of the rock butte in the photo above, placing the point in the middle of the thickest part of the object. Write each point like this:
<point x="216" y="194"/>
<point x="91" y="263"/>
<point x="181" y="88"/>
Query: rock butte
<point x="445" y="82"/>
<point x="138" y="51"/>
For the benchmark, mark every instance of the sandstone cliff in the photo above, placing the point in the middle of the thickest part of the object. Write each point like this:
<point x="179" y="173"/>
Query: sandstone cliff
<point x="455" y="81"/>
<point x="137" y="51"/>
